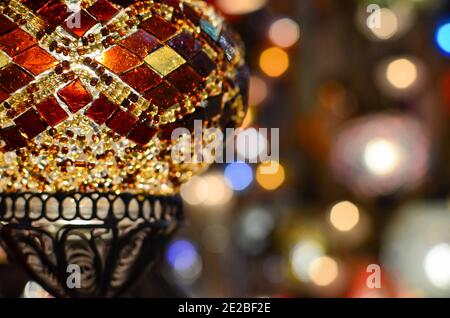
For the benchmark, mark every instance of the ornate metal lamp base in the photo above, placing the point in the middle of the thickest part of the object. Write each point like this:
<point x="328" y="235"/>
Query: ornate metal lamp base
<point x="110" y="238"/>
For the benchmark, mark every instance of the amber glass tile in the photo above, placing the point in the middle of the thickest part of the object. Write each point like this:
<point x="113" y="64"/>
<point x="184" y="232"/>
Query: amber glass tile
<point x="14" y="77"/>
<point x="16" y="41"/>
<point x="103" y="10"/>
<point x="141" y="78"/>
<point x="3" y="96"/>
<point x="142" y="133"/>
<point x="86" y="23"/>
<point x="101" y="110"/>
<point x="141" y="43"/>
<point x="75" y="96"/>
<point x="159" y="27"/>
<point x="186" y="79"/>
<point x="119" y="59"/>
<point x="6" y="25"/>
<point x="51" y="111"/>
<point x="122" y="122"/>
<point x="30" y="123"/>
<point x="54" y="12"/>
<point x="164" y="60"/>
<point x="34" y="4"/>
<point x="36" y="60"/>
<point x="13" y="138"/>
<point x="203" y="64"/>
<point x="164" y="96"/>
<point x="185" y="45"/>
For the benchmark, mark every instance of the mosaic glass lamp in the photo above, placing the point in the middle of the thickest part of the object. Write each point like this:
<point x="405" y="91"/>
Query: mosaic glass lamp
<point x="90" y="94"/>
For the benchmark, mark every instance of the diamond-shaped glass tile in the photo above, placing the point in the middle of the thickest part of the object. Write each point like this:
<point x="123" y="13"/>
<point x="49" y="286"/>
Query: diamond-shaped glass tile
<point x="30" y="123"/>
<point x="13" y="138"/>
<point x="185" y="45"/>
<point x="34" y="4"/>
<point x="202" y="64"/>
<point x="75" y="95"/>
<point x="142" y="133"/>
<point x="36" y="60"/>
<point x="142" y="78"/>
<point x="101" y="110"/>
<point x="6" y="25"/>
<point x="103" y="10"/>
<point x="54" y="12"/>
<point x="164" y="60"/>
<point x="164" y="96"/>
<point x="119" y="59"/>
<point x="3" y="96"/>
<point x="141" y="43"/>
<point x="51" y="111"/>
<point x="4" y="59"/>
<point x="186" y="79"/>
<point x="20" y="76"/>
<point x="16" y="41"/>
<point x="159" y="27"/>
<point x="79" y="23"/>
<point x="122" y="122"/>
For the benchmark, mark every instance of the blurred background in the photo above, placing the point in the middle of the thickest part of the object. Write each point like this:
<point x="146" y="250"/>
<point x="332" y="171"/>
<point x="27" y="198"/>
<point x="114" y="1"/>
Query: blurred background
<point x="364" y="170"/>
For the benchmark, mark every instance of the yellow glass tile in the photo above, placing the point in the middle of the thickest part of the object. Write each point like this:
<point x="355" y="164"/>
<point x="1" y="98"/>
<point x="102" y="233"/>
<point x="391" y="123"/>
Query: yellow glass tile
<point x="4" y="59"/>
<point x="164" y="60"/>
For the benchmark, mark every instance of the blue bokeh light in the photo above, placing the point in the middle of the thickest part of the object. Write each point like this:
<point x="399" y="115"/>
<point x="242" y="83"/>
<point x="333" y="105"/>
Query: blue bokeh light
<point x="181" y="255"/>
<point x="239" y="175"/>
<point x="443" y="37"/>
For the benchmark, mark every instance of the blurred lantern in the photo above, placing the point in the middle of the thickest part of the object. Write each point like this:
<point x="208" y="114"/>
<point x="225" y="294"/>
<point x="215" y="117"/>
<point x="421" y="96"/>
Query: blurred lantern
<point x="380" y="154"/>
<point x="417" y="248"/>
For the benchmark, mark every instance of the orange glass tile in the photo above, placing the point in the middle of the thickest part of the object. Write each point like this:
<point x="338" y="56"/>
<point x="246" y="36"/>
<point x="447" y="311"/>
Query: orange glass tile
<point x="141" y="43"/>
<point x="103" y="10"/>
<point x="51" y="111"/>
<point x="54" y="12"/>
<point x="36" y="60"/>
<point x="16" y="41"/>
<point x="6" y="25"/>
<point x="85" y="23"/>
<point x="75" y="96"/>
<point x="142" y="78"/>
<point x="159" y="27"/>
<point x="20" y="76"/>
<point x="119" y="59"/>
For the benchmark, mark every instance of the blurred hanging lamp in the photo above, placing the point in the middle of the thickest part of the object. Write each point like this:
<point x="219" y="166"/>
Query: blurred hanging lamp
<point x="91" y="92"/>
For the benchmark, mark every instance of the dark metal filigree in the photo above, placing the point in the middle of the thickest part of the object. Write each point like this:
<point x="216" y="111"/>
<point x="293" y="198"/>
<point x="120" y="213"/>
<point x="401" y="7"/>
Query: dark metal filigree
<point x="112" y="238"/>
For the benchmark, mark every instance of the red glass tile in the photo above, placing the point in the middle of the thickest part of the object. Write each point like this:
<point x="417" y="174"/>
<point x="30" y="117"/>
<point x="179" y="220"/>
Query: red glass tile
<point x="54" y="12"/>
<point x="3" y="95"/>
<point x="13" y="138"/>
<point x="122" y="122"/>
<point x="34" y="4"/>
<point x="141" y="43"/>
<point x="13" y="77"/>
<point x="6" y="25"/>
<point x="16" y="41"/>
<point x="119" y="59"/>
<point x="75" y="96"/>
<point x="142" y="134"/>
<point x="185" y="45"/>
<point x="30" y="123"/>
<point x="51" y="111"/>
<point x="186" y="79"/>
<point x="159" y="27"/>
<point x="203" y="64"/>
<point x="85" y="23"/>
<point x="36" y="60"/>
<point x="142" y="78"/>
<point x="103" y="10"/>
<point x="101" y="110"/>
<point x="165" y="95"/>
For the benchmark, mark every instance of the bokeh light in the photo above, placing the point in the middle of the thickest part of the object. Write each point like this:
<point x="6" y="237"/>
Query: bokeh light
<point x="437" y="266"/>
<point x="258" y="90"/>
<point x="274" y="62"/>
<point x="323" y="271"/>
<point x="344" y="216"/>
<point x="303" y="256"/>
<point x="401" y="73"/>
<point x="273" y="180"/>
<point x="239" y="175"/>
<point x="284" y="32"/>
<point x="185" y="260"/>
<point x="240" y="7"/>
<point x="443" y="37"/>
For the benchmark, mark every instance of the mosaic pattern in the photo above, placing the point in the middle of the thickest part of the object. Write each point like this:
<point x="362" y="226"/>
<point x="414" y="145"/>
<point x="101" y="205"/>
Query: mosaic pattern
<point x="91" y="93"/>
